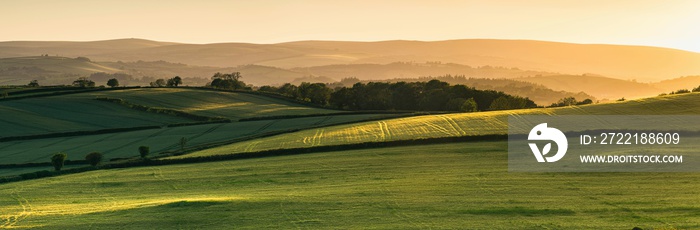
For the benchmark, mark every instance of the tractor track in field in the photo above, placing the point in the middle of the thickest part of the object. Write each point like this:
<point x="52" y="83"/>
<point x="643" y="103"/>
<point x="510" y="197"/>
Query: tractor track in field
<point x="13" y="220"/>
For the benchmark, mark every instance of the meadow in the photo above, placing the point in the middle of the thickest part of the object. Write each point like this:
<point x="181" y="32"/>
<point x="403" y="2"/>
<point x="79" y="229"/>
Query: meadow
<point x="447" y="186"/>
<point x="450" y="125"/>
<point x="437" y="186"/>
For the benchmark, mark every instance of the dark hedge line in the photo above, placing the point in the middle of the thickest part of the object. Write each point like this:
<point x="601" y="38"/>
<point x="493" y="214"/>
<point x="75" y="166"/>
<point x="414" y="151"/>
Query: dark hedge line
<point x="76" y="133"/>
<point x="72" y="90"/>
<point x="322" y="115"/>
<point x="294" y="151"/>
<point x="42" y="164"/>
<point x="163" y="110"/>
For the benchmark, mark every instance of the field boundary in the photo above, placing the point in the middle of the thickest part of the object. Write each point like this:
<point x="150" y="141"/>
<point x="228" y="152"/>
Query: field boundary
<point x="63" y="91"/>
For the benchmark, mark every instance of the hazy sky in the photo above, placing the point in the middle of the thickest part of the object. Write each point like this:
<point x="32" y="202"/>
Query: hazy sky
<point x="669" y="23"/>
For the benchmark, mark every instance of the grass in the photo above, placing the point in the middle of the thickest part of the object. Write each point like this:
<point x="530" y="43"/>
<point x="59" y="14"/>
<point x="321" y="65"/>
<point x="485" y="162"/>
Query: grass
<point x="419" y="187"/>
<point x="125" y="144"/>
<point x="458" y="124"/>
<point x="45" y="115"/>
<point x="213" y="103"/>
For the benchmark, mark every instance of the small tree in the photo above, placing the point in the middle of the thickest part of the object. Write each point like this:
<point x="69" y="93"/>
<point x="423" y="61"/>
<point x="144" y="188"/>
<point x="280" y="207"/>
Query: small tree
<point x="113" y="82"/>
<point x="94" y="158"/>
<point x="144" y="151"/>
<point x="469" y="106"/>
<point x="5" y="94"/>
<point x="57" y="160"/>
<point x="33" y="83"/>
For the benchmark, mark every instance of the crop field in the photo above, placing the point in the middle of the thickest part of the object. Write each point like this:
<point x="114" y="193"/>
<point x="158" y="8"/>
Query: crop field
<point x="447" y="125"/>
<point x="447" y="186"/>
<point x="67" y="113"/>
<point x="213" y="103"/>
<point x="125" y="144"/>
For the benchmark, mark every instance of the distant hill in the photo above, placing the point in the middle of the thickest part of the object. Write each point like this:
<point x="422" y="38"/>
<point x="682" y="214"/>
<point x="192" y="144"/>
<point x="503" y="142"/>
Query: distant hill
<point x="616" y="61"/>
<point x="598" y="86"/>
<point x="49" y="70"/>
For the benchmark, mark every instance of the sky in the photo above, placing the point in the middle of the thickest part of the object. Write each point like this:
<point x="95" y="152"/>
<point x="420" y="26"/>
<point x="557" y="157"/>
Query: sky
<point x="663" y="23"/>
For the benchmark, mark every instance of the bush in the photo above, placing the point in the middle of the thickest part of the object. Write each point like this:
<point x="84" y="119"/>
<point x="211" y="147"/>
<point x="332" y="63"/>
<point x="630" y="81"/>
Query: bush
<point x="57" y="160"/>
<point x="144" y="151"/>
<point x="696" y="89"/>
<point x="94" y="158"/>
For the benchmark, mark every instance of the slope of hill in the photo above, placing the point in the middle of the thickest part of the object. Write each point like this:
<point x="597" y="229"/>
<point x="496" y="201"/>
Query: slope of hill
<point x="49" y="70"/>
<point x="450" y="125"/>
<point x="212" y="103"/>
<point x="80" y="112"/>
<point x="618" y="61"/>
<point x="598" y="86"/>
<point x="44" y="115"/>
<point x="449" y="186"/>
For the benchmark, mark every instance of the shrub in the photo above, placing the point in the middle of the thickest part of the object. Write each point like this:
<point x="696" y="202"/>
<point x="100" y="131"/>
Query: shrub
<point x="57" y="160"/>
<point x="144" y="151"/>
<point x="94" y="158"/>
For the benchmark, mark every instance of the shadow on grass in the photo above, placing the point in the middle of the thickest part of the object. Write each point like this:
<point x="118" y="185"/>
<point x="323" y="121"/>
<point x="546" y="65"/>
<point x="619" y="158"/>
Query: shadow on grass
<point x="523" y="211"/>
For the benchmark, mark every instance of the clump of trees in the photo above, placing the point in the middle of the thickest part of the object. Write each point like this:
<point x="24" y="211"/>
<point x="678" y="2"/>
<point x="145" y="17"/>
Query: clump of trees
<point x="94" y="158"/>
<point x="228" y="81"/>
<point x="697" y="89"/>
<point x="174" y="82"/>
<point x="33" y="83"/>
<point x="433" y="95"/>
<point x="57" y="160"/>
<point x="83" y="82"/>
<point x="171" y="82"/>
<point x="569" y="101"/>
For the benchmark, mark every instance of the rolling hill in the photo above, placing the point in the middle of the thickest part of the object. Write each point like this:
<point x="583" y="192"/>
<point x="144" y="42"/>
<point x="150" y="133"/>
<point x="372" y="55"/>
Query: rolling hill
<point x="81" y="113"/>
<point x="617" y="61"/>
<point x="449" y="125"/>
<point x="442" y="186"/>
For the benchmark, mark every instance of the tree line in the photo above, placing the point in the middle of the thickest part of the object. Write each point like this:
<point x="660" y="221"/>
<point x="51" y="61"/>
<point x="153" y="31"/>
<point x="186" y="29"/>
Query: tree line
<point x="434" y="95"/>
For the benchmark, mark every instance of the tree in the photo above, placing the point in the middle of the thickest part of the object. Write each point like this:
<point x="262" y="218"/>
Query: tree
<point x="94" y="158"/>
<point x="229" y="81"/>
<point x="144" y="151"/>
<point x="33" y="83"/>
<point x="469" y="106"/>
<point x="113" y="82"/>
<point x="500" y="103"/>
<point x="174" y="82"/>
<point x="83" y="82"/>
<point x="57" y="160"/>
<point x="5" y="94"/>
<point x="158" y="83"/>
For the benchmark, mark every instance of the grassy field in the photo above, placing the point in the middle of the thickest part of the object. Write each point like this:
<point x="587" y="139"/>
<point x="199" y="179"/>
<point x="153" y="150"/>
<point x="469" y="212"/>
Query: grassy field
<point x="125" y="144"/>
<point x="80" y="112"/>
<point x="68" y="113"/>
<point x="212" y="103"/>
<point x="448" y="186"/>
<point x="458" y="124"/>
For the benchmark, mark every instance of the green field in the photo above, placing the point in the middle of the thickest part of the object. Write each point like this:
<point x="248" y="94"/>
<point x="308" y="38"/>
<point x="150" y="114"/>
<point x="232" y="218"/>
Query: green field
<point x="80" y="112"/>
<point x="458" y="124"/>
<point x="69" y="113"/>
<point x="125" y="144"/>
<point x="441" y="186"/>
<point x="449" y="186"/>
<point x="213" y="103"/>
